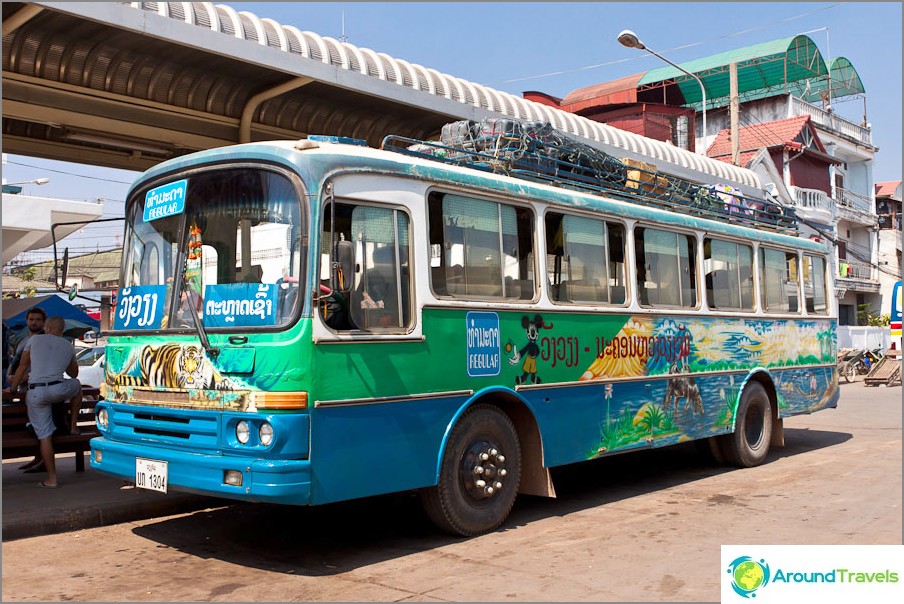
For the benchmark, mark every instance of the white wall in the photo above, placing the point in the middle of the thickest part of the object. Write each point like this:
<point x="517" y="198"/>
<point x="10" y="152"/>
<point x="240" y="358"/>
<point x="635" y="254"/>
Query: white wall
<point x="850" y="336"/>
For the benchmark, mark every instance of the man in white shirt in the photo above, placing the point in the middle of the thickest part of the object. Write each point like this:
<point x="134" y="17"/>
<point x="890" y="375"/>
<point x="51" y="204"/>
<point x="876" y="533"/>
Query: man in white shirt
<point x="45" y="358"/>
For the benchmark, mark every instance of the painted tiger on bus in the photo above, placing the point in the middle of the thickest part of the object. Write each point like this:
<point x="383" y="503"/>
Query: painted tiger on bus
<point x="173" y="366"/>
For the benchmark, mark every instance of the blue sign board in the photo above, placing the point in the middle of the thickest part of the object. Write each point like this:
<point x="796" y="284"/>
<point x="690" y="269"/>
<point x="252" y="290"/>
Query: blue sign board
<point x="896" y="303"/>
<point x="166" y="200"/>
<point x="484" y="354"/>
<point x="140" y="307"/>
<point x="240" y="305"/>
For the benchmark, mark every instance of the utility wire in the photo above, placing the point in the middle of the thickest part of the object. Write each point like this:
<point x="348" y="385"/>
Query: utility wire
<point x="119" y="182"/>
<point x="682" y="47"/>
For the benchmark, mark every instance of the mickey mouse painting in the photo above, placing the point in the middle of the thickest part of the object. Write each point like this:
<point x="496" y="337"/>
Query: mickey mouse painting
<point x="530" y="351"/>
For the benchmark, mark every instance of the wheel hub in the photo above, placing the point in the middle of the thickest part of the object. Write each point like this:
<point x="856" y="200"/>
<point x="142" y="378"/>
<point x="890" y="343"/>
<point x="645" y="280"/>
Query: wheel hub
<point x="483" y="470"/>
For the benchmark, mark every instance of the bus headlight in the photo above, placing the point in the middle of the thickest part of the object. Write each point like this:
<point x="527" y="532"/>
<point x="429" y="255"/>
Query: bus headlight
<point x="103" y="418"/>
<point x="266" y="434"/>
<point x="242" y="432"/>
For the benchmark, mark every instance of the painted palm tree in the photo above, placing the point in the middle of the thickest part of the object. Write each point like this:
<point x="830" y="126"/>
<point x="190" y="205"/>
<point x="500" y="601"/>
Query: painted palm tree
<point x="608" y="400"/>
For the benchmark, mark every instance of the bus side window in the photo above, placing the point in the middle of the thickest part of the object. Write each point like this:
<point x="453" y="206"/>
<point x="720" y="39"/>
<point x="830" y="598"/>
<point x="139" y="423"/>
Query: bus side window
<point x="480" y="248"/>
<point x="666" y="268"/>
<point x="585" y="259"/>
<point x="815" y="285"/>
<point x="617" y="277"/>
<point x="779" y="287"/>
<point x="555" y="252"/>
<point x="368" y="285"/>
<point x="729" y="277"/>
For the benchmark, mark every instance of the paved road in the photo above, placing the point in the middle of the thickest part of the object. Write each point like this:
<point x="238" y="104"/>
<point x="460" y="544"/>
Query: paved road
<point x="646" y="526"/>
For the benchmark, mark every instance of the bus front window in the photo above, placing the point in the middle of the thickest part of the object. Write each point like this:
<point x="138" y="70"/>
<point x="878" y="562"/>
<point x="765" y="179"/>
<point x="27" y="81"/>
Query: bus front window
<point x="232" y="250"/>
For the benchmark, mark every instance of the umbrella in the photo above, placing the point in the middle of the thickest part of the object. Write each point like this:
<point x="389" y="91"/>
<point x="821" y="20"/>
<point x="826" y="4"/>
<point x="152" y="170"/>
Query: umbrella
<point x="76" y="329"/>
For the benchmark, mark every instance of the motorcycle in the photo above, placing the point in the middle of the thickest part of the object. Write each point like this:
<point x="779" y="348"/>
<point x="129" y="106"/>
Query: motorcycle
<point x="857" y="362"/>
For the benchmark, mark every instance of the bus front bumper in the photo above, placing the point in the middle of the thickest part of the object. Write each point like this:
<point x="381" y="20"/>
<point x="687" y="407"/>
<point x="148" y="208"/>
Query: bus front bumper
<point x="286" y="481"/>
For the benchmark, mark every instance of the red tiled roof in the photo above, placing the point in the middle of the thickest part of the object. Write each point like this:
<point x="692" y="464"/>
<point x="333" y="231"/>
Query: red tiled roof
<point x="887" y="189"/>
<point x="771" y="134"/>
<point x="745" y="159"/>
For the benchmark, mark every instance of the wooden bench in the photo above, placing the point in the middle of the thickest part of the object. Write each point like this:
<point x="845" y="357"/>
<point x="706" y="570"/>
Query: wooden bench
<point x="18" y="442"/>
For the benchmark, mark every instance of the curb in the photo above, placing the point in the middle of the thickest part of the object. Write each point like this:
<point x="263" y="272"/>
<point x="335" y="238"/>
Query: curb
<point x="52" y="521"/>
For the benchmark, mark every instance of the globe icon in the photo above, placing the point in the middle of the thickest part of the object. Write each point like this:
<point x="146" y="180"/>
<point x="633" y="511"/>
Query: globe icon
<point x="748" y="575"/>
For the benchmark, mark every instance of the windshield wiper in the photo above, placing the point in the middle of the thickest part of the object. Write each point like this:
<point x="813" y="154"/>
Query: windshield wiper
<point x="202" y="333"/>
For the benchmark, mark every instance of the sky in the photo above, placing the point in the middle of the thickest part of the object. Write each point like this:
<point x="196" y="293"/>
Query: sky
<point x="555" y="47"/>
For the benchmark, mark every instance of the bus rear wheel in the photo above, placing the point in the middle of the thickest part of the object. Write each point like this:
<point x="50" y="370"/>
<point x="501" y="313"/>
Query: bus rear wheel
<point x="748" y="446"/>
<point x="479" y="475"/>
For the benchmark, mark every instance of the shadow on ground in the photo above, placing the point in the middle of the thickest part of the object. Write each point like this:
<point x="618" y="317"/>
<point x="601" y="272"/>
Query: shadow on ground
<point x="338" y="538"/>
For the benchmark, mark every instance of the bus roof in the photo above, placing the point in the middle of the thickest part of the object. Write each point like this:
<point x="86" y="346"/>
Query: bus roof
<point x="313" y="159"/>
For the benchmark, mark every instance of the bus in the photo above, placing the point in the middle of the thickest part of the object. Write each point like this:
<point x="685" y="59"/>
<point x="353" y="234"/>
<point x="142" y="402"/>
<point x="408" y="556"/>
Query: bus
<point x="894" y="324"/>
<point x="313" y="321"/>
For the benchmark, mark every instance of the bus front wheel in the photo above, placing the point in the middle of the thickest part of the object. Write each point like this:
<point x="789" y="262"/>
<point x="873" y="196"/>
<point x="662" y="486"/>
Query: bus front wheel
<point x="479" y="475"/>
<point x="748" y="445"/>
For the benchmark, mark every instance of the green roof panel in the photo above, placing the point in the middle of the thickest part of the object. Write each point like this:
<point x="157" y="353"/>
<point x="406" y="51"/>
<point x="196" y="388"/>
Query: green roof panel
<point x="845" y="79"/>
<point x="763" y="69"/>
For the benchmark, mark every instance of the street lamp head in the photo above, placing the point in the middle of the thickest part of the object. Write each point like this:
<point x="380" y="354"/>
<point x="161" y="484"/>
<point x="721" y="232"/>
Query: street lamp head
<point x="36" y="181"/>
<point x="629" y="39"/>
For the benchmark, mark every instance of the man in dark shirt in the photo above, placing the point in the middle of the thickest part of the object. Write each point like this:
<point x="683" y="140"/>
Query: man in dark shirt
<point x="45" y="358"/>
<point x="34" y="320"/>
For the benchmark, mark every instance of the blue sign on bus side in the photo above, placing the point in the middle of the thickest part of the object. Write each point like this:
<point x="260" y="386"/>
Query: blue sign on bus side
<point x="166" y="200"/>
<point x="484" y="352"/>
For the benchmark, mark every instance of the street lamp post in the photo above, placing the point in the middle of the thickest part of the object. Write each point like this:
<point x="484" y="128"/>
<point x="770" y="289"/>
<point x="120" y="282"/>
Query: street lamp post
<point x="629" y="39"/>
<point x="11" y="187"/>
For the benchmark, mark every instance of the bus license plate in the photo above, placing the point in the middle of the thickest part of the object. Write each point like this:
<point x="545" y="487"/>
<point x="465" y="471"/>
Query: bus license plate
<point x="151" y="474"/>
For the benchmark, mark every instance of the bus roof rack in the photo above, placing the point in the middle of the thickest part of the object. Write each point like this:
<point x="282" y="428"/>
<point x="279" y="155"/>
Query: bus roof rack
<point x="538" y="152"/>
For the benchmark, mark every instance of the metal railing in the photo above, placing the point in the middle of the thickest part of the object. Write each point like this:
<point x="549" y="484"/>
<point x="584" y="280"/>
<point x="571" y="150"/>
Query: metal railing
<point x="831" y="121"/>
<point x="854" y="269"/>
<point x="855" y="206"/>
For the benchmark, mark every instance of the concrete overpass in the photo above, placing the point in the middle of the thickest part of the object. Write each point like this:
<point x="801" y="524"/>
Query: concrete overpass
<point x="27" y="221"/>
<point x="128" y="85"/>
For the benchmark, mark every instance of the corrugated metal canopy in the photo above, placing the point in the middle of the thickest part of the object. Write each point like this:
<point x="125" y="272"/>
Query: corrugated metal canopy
<point x="792" y="65"/>
<point x="128" y="85"/>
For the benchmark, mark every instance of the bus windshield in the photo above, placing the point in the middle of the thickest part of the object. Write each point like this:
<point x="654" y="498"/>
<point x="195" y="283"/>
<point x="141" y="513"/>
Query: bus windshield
<point x="226" y="241"/>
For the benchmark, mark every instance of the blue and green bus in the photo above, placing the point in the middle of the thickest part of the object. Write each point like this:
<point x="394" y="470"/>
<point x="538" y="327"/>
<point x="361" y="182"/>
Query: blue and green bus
<point x="306" y="322"/>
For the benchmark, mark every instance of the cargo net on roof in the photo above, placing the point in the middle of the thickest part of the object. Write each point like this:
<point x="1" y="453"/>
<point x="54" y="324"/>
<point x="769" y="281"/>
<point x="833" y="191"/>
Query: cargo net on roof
<point x="537" y="151"/>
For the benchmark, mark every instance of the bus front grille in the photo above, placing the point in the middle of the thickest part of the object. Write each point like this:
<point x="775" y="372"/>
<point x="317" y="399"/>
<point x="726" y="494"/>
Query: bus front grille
<point x="184" y="428"/>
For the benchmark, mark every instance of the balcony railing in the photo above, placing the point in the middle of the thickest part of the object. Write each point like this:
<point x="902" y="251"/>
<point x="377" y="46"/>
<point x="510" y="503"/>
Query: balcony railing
<point x="831" y="121"/>
<point x="813" y="201"/>
<point x="857" y="276"/>
<point x="855" y="206"/>
<point x="853" y="269"/>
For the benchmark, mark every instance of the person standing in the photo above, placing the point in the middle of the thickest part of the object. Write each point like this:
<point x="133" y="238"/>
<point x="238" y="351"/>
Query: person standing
<point x="46" y="357"/>
<point x="6" y="356"/>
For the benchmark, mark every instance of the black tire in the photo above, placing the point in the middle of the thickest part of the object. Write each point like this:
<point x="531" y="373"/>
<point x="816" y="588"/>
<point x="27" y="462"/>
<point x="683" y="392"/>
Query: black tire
<point x="748" y="445"/>
<point x="848" y="372"/>
<point x="459" y="504"/>
<point x="710" y="451"/>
